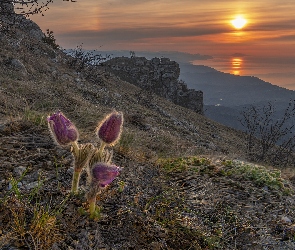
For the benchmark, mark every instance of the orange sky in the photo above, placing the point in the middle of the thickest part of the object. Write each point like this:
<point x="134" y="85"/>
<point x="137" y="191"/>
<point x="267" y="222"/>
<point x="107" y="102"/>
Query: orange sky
<point x="186" y="25"/>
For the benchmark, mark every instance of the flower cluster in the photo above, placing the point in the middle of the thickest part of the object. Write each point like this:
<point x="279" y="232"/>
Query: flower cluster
<point x="97" y="161"/>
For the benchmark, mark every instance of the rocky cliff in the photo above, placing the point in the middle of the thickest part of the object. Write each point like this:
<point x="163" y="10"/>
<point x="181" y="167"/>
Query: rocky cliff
<point x="159" y="76"/>
<point x="9" y="20"/>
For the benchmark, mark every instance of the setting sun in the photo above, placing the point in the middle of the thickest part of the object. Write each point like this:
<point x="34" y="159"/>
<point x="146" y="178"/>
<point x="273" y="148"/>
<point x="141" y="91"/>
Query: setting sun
<point x="239" y="22"/>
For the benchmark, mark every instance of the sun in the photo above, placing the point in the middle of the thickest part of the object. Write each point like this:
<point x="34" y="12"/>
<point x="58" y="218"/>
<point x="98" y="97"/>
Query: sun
<point x="239" y="22"/>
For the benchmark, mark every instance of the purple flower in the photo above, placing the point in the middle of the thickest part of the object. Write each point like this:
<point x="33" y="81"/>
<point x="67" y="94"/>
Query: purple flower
<point x="63" y="130"/>
<point x="109" y="130"/>
<point x="104" y="173"/>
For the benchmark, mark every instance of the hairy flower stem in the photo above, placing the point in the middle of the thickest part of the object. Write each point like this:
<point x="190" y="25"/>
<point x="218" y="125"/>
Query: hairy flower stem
<point x="82" y="153"/>
<point x="94" y="190"/>
<point x="101" y="148"/>
<point x="75" y="148"/>
<point x="75" y="182"/>
<point x="92" y="206"/>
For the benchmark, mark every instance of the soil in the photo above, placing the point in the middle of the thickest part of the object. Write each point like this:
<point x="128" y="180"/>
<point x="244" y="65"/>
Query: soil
<point x="145" y="208"/>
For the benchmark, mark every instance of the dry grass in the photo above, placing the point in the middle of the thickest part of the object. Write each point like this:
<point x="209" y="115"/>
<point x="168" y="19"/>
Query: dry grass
<point x="30" y="226"/>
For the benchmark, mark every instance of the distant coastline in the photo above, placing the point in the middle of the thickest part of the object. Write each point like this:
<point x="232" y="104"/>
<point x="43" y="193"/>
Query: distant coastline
<point x="278" y="72"/>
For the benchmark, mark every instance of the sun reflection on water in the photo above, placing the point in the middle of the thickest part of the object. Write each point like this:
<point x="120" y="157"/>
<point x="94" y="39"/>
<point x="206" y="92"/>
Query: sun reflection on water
<point x="236" y="65"/>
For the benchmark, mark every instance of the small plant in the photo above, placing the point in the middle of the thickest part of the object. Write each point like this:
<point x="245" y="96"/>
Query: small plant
<point x="122" y="185"/>
<point x="258" y="174"/>
<point x="33" y="116"/>
<point x="183" y="163"/>
<point x="96" y="161"/>
<point x="50" y="39"/>
<point x="65" y="133"/>
<point x="29" y="222"/>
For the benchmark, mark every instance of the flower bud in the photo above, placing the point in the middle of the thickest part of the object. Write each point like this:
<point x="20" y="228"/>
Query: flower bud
<point x="104" y="174"/>
<point x="62" y="129"/>
<point x="109" y="130"/>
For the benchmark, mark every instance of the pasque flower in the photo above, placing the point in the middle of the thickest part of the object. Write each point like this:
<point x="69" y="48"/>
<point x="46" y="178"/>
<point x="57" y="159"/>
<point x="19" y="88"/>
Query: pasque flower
<point x="96" y="161"/>
<point x="102" y="174"/>
<point x="109" y="130"/>
<point x="62" y="129"/>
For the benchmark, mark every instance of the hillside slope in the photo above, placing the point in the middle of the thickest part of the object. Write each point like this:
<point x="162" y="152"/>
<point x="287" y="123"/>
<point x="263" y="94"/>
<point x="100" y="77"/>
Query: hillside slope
<point x="164" y="197"/>
<point x="233" y="90"/>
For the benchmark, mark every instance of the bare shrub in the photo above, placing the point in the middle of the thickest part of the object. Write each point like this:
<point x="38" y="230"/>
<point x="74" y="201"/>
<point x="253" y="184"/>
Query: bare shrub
<point x="270" y="139"/>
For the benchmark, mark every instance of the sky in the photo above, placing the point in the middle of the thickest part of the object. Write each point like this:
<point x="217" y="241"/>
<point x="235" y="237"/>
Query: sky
<point x="264" y="47"/>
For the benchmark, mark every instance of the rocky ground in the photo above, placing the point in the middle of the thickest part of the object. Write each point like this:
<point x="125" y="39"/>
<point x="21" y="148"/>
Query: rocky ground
<point x="183" y="203"/>
<point x="183" y="184"/>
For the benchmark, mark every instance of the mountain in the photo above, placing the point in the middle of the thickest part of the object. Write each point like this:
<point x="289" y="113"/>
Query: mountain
<point x="229" y="90"/>
<point x="223" y="93"/>
<point x="183" y="184"/>
<point x="226" y="95"/>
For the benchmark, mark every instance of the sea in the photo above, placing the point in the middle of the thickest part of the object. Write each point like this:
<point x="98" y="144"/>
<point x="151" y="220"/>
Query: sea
<point x="277" y="71"/>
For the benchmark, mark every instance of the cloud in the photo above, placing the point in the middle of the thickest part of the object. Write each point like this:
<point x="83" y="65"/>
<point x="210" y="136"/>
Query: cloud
<point x="131" y="34"/>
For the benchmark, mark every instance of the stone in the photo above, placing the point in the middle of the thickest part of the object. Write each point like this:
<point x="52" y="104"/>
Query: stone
<point x="18" y="66"/>
<point x="19" y="184"/>
<point x="32" y="185"/>
<point x="19" y="170"/>
<point x="286" y="219"/>
<point x="159" y="76"/>
<point x="6" y="8"/>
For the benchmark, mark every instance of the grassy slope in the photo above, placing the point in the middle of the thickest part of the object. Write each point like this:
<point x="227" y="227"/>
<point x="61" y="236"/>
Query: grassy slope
<point x="179" y="203"/>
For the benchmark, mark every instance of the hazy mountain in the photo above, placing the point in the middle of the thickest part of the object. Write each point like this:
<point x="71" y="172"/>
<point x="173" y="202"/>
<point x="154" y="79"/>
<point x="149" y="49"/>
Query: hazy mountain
<point x="229" y="90"/>
<point x="226" y="95"/>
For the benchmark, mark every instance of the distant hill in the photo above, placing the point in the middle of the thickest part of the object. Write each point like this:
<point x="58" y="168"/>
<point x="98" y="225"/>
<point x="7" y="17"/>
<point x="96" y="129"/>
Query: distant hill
<point x="229" y="90"/>
<point x="225" y="95"/>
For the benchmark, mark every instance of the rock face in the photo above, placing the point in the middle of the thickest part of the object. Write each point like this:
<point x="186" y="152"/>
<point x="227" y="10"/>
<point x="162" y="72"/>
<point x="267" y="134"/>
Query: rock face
<point x="6" y="7"/>
<point x="9" y="20"/>
<point x="159" y="76"/>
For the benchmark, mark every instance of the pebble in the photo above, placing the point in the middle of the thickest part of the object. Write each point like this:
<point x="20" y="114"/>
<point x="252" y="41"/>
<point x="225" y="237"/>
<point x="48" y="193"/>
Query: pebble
<point x="61" y="152"/>
<point x="286" y="219"/>
<point x="19" y="184"/>
<point x="32" y="185"/>
<point x="70" y="170"/>
<point x="2" y="127"/>
<point x="19" y="170"/>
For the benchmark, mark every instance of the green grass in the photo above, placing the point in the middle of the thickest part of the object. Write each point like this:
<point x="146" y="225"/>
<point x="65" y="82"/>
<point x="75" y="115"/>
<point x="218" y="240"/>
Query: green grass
<point x="182" y="163"/>
<point x="259" y="175"/>
<point x="34" y="117"/>
<point x="30" y="223"/>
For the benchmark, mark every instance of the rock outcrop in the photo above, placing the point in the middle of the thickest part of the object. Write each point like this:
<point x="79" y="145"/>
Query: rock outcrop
<point x="159" y="76"/>
<point x="9" y="20"/>
<point x="6" y="7"/>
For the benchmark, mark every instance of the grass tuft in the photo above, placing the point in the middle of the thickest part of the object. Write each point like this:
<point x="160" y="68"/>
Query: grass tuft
<point x="31" y="225"/>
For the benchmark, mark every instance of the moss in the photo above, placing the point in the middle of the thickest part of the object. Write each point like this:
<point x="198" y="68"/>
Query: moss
<point x="260" y="175"/>
<point x="183" y="164"/>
